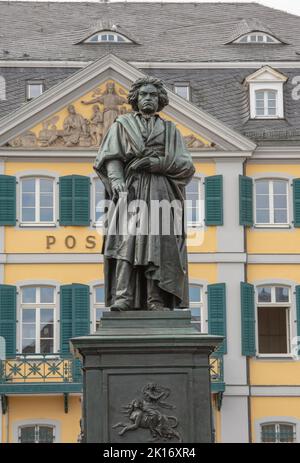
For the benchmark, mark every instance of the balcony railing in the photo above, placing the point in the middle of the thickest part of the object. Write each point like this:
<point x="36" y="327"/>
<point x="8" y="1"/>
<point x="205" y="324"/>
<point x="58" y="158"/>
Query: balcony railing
<point x="53" y="372"/>
<point x="35" y="372"/>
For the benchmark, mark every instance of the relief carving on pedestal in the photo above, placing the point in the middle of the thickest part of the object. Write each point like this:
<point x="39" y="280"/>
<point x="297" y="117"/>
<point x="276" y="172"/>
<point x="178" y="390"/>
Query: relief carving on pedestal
<point x="146" y="413"/>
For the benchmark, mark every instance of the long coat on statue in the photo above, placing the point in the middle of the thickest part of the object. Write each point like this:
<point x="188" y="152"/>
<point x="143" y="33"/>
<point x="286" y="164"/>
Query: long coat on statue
<point x="159" y="256"/>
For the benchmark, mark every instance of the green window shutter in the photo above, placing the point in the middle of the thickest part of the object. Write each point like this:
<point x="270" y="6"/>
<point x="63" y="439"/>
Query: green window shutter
<point x="298" y="308"/>
<point x="81" y="309"/>
<point x="74" y="313"/>
<point x="296" y="201"/>
<point x="74" y="200"/>
<point x="214" y="200"/>
<point x="7" y="200"/>
<point x="246" y="200"/>
<point x="248" y="319"/>
<point x="8" y="297"/>
<point x="66" y="317"/>
<point x="216" y="296"/>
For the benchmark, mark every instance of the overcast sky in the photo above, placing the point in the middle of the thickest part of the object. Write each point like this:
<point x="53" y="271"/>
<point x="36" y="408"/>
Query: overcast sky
<point x="291" y="6"/>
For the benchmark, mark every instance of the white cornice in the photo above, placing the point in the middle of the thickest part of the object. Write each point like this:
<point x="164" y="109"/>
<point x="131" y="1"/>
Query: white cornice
<point x="178" y="107"/>
<point x="155" y="64"/>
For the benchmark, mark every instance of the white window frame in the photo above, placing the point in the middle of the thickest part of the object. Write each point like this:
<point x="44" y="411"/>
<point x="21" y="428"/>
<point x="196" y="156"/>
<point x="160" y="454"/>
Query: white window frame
<point x="277" y="428"/>
<point x="37" y="305"/>
<point x="96" y="305"/>
<point x="37" y="83"/>
<point x="272" y="224"/>
<point x="265" y="86"/>
<point x="103" y="33"/>
<point x="93" y="203"/>
<point x="200" y="222"/>
<point x="199" y="304"/>
<point x="274" y="304"/>
<point x="37" y="222"/>
<point x="261" y="34"/>
<point x="266" y="101"/>
<point x="183" y="85"/>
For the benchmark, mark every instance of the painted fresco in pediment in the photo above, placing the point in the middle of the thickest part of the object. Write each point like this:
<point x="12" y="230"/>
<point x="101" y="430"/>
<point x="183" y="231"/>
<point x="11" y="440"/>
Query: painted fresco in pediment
<point x="84" y="122"/>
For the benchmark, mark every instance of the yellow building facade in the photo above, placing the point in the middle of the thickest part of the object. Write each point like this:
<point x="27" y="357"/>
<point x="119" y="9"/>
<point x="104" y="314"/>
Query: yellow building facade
<point x="239" y="269"/>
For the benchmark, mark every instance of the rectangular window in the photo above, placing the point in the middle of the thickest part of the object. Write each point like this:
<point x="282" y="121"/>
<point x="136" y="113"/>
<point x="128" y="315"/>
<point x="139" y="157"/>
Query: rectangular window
<point x="278" y="433"/>
<point x="99" y="196"/>
<point x="271" y="202"/>
<point x="36" y="434"/>
<point x="38" y="331"/>
<point x="182" y="90"/>
<point x="33" y="90"/>
<point x="194" y="205"/>
<point x="195" y="295"/>
<point x="99" y="306"/>
<point x="266" y="103"/>
<point x="273" y="319"/>
<point x="37" y="200"/>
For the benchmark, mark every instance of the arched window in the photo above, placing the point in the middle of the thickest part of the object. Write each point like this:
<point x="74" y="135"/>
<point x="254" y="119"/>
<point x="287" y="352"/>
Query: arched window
<point x="278" y="433"/>
<point x="38" y="328"/>
<point x="271" y="202"/>
<point x="257" y="37"/>
<point x="194" y="203"/>
<point x="273" y="319"/>
<point x="2" y="88"/>
<point x="36" y="434"/>
<point x="107" y="36"/>
<point x="37" y="201"/>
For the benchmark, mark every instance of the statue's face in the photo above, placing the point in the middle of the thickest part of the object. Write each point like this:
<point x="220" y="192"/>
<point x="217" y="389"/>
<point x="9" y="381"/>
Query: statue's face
<point x="148" y="99"/>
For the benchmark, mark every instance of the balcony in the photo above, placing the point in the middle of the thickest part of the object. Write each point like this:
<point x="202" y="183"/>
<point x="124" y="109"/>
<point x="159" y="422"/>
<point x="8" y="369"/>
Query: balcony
<point x="37" y="373"/>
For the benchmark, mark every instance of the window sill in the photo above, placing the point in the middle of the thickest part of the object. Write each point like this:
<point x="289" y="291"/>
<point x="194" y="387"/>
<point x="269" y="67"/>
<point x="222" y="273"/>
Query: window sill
<point x="272" y="226"/>
<point x="37" y="225"/>
<point x="275" y="356"/>
<point x="267" y="118"/>
<point x="37" y="357"/>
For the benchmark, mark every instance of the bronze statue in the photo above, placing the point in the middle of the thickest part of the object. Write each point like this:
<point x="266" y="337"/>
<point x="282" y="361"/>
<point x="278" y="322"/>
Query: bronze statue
<point x="143" y="158"/>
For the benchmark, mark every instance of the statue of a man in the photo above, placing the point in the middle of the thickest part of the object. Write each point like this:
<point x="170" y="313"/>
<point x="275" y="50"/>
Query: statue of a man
<point x="145" y="157"/>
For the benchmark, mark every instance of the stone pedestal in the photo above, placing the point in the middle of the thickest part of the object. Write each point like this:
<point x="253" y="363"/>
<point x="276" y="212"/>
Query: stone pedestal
<point x="146" y="379"/>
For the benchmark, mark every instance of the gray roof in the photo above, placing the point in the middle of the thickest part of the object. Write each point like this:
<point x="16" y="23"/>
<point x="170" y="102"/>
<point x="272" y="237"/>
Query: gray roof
<point x="162" y="31"/>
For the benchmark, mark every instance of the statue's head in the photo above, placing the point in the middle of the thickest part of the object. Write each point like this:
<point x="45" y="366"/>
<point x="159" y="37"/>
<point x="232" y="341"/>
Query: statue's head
<point x="148" y="95"/>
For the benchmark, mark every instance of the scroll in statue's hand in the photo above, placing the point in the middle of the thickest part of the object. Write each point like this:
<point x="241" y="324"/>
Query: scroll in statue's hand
<point x="118" y="186"/>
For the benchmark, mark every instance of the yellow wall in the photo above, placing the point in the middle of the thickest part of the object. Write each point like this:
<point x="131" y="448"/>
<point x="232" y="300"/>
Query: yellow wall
<point x="257" y="272"/>
<point x="43" y="408"/>
<point x="274" y="372"/>
<point x="264" y="407"/>
<point x="63" y="273"/>
<point x="276" y="241"/>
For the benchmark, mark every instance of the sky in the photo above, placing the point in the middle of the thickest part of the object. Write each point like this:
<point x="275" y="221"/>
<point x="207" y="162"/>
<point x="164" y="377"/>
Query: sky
<point x="291" y="6"/>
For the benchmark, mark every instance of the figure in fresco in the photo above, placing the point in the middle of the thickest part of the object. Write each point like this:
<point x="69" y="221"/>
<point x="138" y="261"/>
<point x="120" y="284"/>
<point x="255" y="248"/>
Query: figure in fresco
<point x="96" y="125"/>
<point x="75" y="126"/>
<point x="144" y="157"/>
<point x="111" y="101"/>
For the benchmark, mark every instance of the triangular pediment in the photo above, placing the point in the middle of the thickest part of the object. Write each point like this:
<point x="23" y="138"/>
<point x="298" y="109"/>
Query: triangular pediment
<point x="77" y="112"/>
<point x="266" y="74"/>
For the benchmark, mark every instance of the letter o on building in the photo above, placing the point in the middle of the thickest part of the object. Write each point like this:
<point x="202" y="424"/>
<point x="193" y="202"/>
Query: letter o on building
<point x="70" y="242"/>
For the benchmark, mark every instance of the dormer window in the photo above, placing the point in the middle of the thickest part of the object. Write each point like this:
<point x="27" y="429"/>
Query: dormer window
<point x="107" y="36"/>
<point x="257" y="37"/>
<point x="266" y="93"/>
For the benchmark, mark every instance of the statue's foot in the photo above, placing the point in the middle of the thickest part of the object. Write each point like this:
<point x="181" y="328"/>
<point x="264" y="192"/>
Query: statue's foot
<point x="158" y="308"/>
<point x="118" y="307"/>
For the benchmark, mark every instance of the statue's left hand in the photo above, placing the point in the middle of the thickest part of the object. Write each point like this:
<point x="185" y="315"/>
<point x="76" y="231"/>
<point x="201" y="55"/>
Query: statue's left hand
<point x="150" y="164"/>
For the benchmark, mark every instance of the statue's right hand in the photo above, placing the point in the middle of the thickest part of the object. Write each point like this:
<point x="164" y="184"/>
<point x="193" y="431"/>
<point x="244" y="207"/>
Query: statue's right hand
<point x="118" y="187"/>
